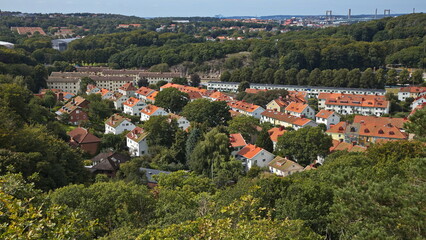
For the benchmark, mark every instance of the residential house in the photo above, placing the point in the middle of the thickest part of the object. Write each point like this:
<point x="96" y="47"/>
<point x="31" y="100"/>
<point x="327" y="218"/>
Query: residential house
<point x="219" y="96"/>
<point x="275" y="133"/>
<point x="286" y="120"/>
<point x="421" y="100"/>
<point x="151" y="110"/>
<point x="354" y="104"/>
<point x="92" y="89"/>
<point x="105" y="93"/>
<point x="181" y="121"/>
<point x="370" y="132"/>
<point x="327" y="117"/>
<point x="237" y="143"/>
<point x="337" y="132"/>
<point x="74" y="110"/>
<point x="151" y="97"/>
<point x="284" y="167"/>
<point x="128" y="89"/>
<point x="252" y="155"/>
<point x="247" y="109"/>
<point x="410" y="92"/>
<point x="344" y="146"/>
<point x="381" y="121"/>
<point x="107" y="163"/>
<point x="117" y="124"/>
<point x="281" y="103"/>
<point x="302" y="110"/>
<point x="83" y="139"/>
<point x="136" y="141"/>
<point x="118" y="99"/>
<point x="133" y="106"/>
<point x="143" y="92"/>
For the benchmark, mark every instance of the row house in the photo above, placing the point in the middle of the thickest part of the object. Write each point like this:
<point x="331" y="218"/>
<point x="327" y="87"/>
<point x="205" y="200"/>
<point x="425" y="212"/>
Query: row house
<point x="136" y="141"/>
<point x="152" y="110"/>
<point x="410" y="92"/>
<point x="133" y="106"/>
<point x="247" y="109"/>
<point x="117" y="124"/>
<point x="251" y="155"/>
<point x="155" y="77"/>
<point x="300" y="110"/>
<point x="327" y="117"/>
<point x="66" y="84"/>
<point x="354" y="104"/>
<point x="74" y="109"/>
<point x="286" y="120"/>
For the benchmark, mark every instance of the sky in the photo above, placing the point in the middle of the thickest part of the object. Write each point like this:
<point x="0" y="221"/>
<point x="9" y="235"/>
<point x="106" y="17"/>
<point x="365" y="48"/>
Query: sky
<point x="184" y="8"/>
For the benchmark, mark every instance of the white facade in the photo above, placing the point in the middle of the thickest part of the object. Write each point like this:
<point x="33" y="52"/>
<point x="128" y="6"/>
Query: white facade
<point x="118" y="103"/>
<point x="135" y="109"/>
<point x="308" y="112"/>
<point x="418" y="102"/>
<point x="183" y="123"/>
<point x="261" y="159"/>
<point x="366" y="111"/>
<point x="332" y="119"/>
<point x="125" y="125"/>
<point x="158" y="112"/>
<point x="137" y="148"/>
<point x="257" y="113"/>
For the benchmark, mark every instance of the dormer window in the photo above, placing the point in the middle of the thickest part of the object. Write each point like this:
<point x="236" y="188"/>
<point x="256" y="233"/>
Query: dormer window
<point x="381" y="131"/>
<point x="391" y="133"/>
<point x="366" y="130"/>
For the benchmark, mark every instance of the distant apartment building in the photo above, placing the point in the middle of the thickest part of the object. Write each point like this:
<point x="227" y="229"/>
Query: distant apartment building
<point x="354" y="104"/>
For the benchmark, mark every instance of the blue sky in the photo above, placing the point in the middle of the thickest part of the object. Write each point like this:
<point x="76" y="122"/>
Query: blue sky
<point x="161" y="8"/>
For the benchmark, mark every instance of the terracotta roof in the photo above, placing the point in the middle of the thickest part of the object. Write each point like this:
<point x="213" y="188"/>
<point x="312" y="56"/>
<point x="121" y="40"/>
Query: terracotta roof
<point x="338" y="128"/>
<point x="116" y="95"/>
<point x="186" y="89"/>
<point x="296" y="107"/>
<point x="285" y="164"/>
<point x="31" y="30"/>
<point x="150" y="109"/>
<point x="152" y="96"/>
<point x="237" y="140"/>
<point x="254" y="91"/>
<point x="131" y="102"/>
<point x="344" y="146"/>
<point x="219" y="96"/>
<point x="341" y="99"/>
<point x="234" y="113"/>
<point x="115" y="120"/>
<point x="104" y="91"/>
<point x="397" y="122"/>
<point x="276" y="132"/>
<point x="284" y="117"/>
<point x="128" y="87"/>
<point x="324" y="114"/>
<point x="73" y="104"/>
<point x="244" y="106"/>
<point x="381" y="131"/>
<point x="144" y="91"/>
<point x="413" y="89"/>
<point x="137" y="134"/>
<point x="81" y="135"/>
<point x="423" y="105"/>
<point x="194" y="95"/>
<point x="249" y="151"/>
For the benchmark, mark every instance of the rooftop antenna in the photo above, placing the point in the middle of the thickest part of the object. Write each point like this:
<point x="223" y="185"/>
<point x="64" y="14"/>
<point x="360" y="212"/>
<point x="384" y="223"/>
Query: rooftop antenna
<point x="349" y="14"/>
<point x="375" y="16"/>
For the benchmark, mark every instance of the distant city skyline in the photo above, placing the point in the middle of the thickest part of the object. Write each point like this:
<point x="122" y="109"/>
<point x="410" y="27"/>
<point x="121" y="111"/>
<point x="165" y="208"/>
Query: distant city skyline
<point x="189" y="8"/>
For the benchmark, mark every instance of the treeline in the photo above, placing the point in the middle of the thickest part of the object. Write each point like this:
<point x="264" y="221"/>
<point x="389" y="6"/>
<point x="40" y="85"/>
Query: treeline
<point x="354" y="78"/>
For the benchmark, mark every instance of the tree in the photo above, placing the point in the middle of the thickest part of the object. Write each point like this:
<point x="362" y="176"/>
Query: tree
<point x="417" y="77"/>
<point x="380" y="78"/>
<point x="302" y="77"/>
<point x="195" y="80"/>
<point x="143" y="82"/>
<point x="161" y="131"/>
<point x="264" y="141"/>
<point x="367" y="79"/>
<point x="225" y="76"/>
<point x="304" y="145"/>
<point x="180" y="80"/>
<point x="404" y="77"/>
<point x="40" y="76"/>
<point x="243" y="86"/>
<point x="245" y="125"/>
<point x="84" y="82"/>
<point x="314" y="77"/>
<point x="203" y="111"/>
<point x="171" y="99"/>
<point x="391" y="77"/>
<point x="353" y="78"/>
<point x="280" y="77"/>
<point x="49" y="99"/>
<point x="291" y="76"/>
<point x="194" y="137"/>
<point x="114" y="142"/>
<point x="417" y="124"/>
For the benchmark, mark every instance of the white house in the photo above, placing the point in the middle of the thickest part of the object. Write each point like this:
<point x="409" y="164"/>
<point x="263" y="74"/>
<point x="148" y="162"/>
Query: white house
<point x="286" y="120"/>
<point x="254" y="156"/>
<point x="92" y="89"/>
<point x="105" y="93"/>
<point x="284" y="167"/>
<point x="133" y="106"/>
<point x="182" y="122"/>
<point x="152" y="110"/>
<point x="118" y="99"/>
<point x="128" y="89"/>
<point x="143" y="93"/>
<point x="136" y="142"/>
<point x="420" y="101"/>
<point x="247" y="109"/>
<point x="300" y="110"/>
<point x="327" y="117"/>
<point x="117" y="124"/>
<point x="410" y="92"/>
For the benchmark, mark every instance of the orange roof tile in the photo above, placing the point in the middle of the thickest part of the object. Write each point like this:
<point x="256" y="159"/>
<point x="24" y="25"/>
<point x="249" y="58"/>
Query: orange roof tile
<point x="150" y="109"/>
<point x="104" y="91"/>
<point x="338" y="128"/>
<point x="276" y="132"/>
<point x="244" y="106"/>
<point x="144" y="91"/>
<point x="131" y="102"/>
<point x="128" y="87"/>
<point x="249" y="151"/>
<point x="381" y="131"/>
<point x="237" y="140"/>
<point x="296" y="107"/>
<point x="397" y="122"/>
<point x="152" y="96"/>
<point x="413" y="89"/>
<point x="324" y="113"/>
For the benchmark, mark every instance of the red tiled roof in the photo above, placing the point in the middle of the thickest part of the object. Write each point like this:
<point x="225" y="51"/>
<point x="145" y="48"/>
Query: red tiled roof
<point x="237" y="140"/>
<point x="137" y="134"/>
<point x="413" y="89"/>
<point x="219" y="96"/>
<point x="338" y="128"/>
<point x="104" y="91"/>
<point x="341" y="99"/>
<point x="116" y="119"/>
<point x="244" y="106"/>
<point x="254" y="91"/>
<point x="249" y="151"/>
<point x="381" y="131"/>
<point x="397" y="122"/>
<point x="131" y="102"/>
<point x="150" y="109"/>
<point x="152" y="96"/>
<point x="284" y="117"/>
<point x="128" y="87"/>
<point x="276" y="132"/>
<point x="296" y="107"/>
<point x="324" y="114"/>
<point x="144" y="91"/>
<point x="81" y="135"/>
